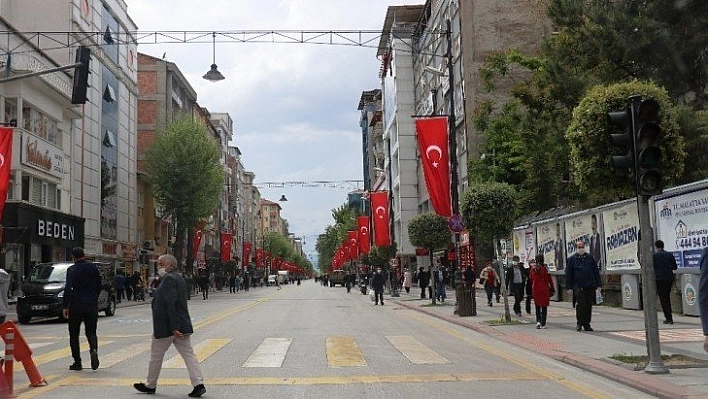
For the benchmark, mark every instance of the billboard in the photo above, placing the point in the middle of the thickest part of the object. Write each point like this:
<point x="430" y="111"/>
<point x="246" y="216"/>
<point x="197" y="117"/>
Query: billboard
<point x="524" y="244"/>
<point x="682" y="223"/>
<point x="585" y="228"/>
<point x="549" y="241"/>
<point x="621" y="227"/>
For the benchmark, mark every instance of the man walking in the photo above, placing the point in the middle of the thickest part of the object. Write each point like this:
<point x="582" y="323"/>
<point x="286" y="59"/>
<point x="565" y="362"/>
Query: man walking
<point x="83" y="284"/>
<point x="377" y="284"/>
<point x="516" y="281"/>
<point x="664" y="266"/>
<point x="583" y="277"/>
<point x="171" y="325"/>
<point x="423" y="281"/>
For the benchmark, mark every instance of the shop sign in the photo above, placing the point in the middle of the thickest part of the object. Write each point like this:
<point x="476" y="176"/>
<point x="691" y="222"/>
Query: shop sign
<point x="46" y="228"/>
<point x="41" y="155"/>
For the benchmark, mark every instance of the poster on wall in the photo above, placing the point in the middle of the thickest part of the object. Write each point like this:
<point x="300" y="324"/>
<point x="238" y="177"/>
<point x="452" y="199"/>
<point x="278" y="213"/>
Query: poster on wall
<point x="585" y="228"/>
<point x="621" y="227"/>
<point x="549" y="241"/>
<point x="524" y="244"/>
<point x="682" y="223"/>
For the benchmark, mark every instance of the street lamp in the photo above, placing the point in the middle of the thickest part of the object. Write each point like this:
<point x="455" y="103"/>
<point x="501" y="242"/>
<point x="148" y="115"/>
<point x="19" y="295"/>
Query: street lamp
<point x="213" y="75"/>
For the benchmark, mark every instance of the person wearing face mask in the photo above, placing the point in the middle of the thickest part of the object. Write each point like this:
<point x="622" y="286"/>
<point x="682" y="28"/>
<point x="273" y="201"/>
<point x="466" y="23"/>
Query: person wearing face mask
<point x="516" y="282"/>
<point x="582" y="276"/>
<point x="171" y="325"/>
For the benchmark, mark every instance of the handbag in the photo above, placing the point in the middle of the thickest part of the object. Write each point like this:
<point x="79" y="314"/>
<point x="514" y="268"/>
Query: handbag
<point x="482" y="281"/>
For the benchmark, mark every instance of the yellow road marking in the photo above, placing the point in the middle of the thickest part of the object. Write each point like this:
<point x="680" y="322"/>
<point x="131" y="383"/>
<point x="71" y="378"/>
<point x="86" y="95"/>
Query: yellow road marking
<point x="415" y="351"/>
<point x="344" y="352"/>
<point x="203" y="350"/>
<point x="578" y="387"/>
<point x="64" y="352"/>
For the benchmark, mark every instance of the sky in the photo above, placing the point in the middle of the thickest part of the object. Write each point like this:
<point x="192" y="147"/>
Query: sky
<point x="294" y="106"/>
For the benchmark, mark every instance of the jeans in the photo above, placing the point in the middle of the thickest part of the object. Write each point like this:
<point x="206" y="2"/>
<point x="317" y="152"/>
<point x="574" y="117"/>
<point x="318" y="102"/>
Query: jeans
<point x="440" y="290"/>
<point x="378" y="295"/>
<point x="88" y="314"/>
<point x="489" y="289"/>
<point x="518" y="291"/>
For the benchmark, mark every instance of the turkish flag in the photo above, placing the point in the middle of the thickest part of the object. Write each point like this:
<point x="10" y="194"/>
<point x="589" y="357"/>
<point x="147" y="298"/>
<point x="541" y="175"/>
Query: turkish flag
<point x="196" y="242"/>
<point x="247" y="246"/>
<point x="433" y="147"/>
<point x="226" y="247"/>
<point x="362" y="223"/>
<point x="353" y="245"/>
<point x="5" y="164"/>
<point x="379" y="207"/>
<point x="259" y="258"/>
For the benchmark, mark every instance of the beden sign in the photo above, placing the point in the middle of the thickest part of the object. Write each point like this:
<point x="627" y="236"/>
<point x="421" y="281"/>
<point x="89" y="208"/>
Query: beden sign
<point x="46" y="228"/>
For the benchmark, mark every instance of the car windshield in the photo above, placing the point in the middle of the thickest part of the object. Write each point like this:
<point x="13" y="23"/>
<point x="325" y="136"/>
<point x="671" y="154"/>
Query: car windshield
<point x="48" y="274"/>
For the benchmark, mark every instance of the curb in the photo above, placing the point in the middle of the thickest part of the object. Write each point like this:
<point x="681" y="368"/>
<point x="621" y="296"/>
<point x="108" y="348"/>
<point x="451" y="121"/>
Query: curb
<point x="639" y="381"/>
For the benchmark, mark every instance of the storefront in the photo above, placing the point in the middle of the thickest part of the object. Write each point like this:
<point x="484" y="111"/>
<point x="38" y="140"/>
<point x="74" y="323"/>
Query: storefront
<point x="32" y="235"/>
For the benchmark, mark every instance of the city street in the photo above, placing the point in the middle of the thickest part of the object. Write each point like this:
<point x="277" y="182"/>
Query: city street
<point x="307" y="341"/>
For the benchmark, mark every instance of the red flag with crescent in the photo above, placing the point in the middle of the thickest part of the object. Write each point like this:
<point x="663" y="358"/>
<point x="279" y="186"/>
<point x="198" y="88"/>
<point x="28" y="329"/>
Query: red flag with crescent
<point x="434" y="155"/>
<point x="363" y="236"/>
<point x="196" y="242"/>
<point x="5" y="164"/>
<point x="259" y="258"/>
<point x="353" y="245"/>
<point x="379" y="209"/>
<point x="247" y="247"/>
<point x="226" y="247"/>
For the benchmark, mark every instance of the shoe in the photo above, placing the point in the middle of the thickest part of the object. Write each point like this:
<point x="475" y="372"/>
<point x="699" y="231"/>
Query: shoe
<point x="519" y="314"/>
<point x="197" y="392"/>
<point x="543" y="327"/>
<point x="76" y="367"/>
<point x="588" y="328"/>
<point x="489" y="303"/>
<point x="668" y="322"/>
<point x="381" y="303"/>
<point x="94" y="359"/>
<point x="141" y="387"/>
<point x="578" y="327"/>
<point x="538" y="326"/>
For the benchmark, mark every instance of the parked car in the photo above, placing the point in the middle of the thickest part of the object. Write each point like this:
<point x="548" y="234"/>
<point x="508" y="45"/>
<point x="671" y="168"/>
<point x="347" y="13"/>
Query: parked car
<point x="272" y="279"/>
<point x="43" y="292"/>
<point x="337" y="277"/>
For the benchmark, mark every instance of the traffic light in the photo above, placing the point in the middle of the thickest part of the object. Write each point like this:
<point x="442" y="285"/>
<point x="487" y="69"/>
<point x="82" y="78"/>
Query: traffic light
<point x="81" y="73"/>
<point x="622" y="120"/>
<point x="648" y="152"/>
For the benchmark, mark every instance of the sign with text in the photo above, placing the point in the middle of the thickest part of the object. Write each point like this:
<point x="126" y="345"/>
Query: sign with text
<point x="41" y="155"/>
<point x="682" y="223"/>
<point x="549" y="239"/>
<point x="621" y="226"/>
<point x="524" y="244"/>
<point x="585" y="228"/>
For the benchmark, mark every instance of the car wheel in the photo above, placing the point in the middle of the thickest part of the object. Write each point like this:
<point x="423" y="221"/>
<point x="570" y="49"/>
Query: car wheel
<point x="23" y="319"/>
<point x="111" y="308"/>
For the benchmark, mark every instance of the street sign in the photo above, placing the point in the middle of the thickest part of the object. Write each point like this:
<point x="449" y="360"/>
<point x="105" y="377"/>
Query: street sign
<point x="455" y="223"/>
<point x="393" y="262"/>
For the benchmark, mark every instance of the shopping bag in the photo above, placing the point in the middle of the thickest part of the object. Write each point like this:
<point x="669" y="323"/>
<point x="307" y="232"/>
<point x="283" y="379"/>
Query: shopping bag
<point x="598" y="296"/>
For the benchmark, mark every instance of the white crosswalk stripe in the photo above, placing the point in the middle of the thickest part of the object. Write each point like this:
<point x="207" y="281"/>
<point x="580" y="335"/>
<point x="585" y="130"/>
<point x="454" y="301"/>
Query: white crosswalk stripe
<point x="270" y="353"/>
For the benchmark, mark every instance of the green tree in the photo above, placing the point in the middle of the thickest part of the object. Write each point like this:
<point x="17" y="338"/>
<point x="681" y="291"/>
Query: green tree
<point x="429" y="231"/>
<point x="327" y="243"/>
<point x="185" y="176"/>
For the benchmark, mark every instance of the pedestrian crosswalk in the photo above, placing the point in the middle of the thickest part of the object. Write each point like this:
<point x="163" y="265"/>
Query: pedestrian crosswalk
<point x="341" y="351"/>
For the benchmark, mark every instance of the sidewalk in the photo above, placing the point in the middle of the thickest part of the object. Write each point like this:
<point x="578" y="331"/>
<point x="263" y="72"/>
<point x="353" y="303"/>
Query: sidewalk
<point x="617" y="332"/>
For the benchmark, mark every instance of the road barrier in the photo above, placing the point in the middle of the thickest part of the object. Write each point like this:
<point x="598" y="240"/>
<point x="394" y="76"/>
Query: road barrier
<point x="16" y="348"/>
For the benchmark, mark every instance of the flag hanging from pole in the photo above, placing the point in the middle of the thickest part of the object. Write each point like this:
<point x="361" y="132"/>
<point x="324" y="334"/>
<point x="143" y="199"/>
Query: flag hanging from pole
<point x="379" y="209"/>
<point x="363" y="236"/>
<point x="353" y="245"/>
<point x="247" y="246"/>
<point x="196" y="242"/>
<point x="5" y="164"/>
<point x="225" y="247"/>
<point x="434" y="155"/>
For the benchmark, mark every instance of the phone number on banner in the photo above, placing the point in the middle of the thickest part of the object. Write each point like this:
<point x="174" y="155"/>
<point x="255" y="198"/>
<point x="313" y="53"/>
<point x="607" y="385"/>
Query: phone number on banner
<point x="692" y="242"/>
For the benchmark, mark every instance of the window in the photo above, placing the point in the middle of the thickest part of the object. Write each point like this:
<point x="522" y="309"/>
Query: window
<point x="39" y="192"/>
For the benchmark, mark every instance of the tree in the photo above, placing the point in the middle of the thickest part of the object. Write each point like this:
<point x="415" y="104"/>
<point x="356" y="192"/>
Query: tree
<point x="488" y="210"/>
<point x="327" y="243"/>
<point x="429" y="231"/>
<point x="589" y="141"/>
<point x="186" y="177"/>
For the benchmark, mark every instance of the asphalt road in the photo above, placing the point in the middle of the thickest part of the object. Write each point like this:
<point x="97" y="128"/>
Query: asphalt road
<point x="307" y="341"/>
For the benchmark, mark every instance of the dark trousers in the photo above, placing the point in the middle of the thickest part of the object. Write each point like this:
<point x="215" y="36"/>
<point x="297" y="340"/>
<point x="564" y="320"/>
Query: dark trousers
<point x="378" y="295"/>
<point x="541" y="314"/>
<point x="518" y="291"/>
<point x="663" y="289"/>
<point x="489" y="289"/>
<point x="528" y="303"/>
<point x="88" y="314"/>
<point x="585" y="298"/>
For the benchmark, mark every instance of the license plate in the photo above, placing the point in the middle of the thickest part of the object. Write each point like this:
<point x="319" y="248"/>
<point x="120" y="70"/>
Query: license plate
<point x="40" y="307"/>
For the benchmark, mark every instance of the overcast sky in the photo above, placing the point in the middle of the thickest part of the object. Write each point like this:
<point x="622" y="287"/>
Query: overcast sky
<point x="294" y="105"/>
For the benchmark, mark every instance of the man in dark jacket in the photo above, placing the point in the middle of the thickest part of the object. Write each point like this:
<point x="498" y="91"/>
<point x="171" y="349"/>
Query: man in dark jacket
<point x="516" y="282"/>
<point x="171" y="325"/>
<point x="583" y="277"/>
<point x="423" y="282"/>
<point x="83" y="284"/>
<point x="377" y="284"/>
<point x="664" y="266"/>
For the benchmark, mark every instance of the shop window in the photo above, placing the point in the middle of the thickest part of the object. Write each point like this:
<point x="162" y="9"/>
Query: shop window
<point x="10" y="111"/>
<point x="25" y="188"/>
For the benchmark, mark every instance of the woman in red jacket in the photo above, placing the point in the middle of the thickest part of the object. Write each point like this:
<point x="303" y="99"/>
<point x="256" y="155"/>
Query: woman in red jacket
<point x="541" y="289"/>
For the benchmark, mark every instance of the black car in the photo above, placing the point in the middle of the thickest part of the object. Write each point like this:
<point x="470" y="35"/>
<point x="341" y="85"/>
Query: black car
<point x="43" y="292"/>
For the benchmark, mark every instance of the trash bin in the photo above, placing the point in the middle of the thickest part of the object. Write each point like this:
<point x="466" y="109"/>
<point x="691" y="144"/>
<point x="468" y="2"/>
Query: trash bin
<point x="631" y="295"/>
<point x="689" y="294"/>
<point x="465" y="302"/>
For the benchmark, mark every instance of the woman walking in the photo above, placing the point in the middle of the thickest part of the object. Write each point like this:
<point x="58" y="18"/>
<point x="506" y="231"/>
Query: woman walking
<point x="489" y="280"/>
<point x="541" y="289"/>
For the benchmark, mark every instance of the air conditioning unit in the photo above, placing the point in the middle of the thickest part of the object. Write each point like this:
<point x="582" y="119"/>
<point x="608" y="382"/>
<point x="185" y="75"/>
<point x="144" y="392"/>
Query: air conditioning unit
<point x="149" y="245"/>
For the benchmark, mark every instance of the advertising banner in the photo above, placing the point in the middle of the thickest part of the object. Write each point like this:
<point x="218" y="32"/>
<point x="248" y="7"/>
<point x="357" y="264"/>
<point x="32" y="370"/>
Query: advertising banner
<point x="524" y="244"/>
<point x="549" y="239"/>
<point x="682" y="223"/>
<point x="621" y="227"/>
<point x="585" y="228"/>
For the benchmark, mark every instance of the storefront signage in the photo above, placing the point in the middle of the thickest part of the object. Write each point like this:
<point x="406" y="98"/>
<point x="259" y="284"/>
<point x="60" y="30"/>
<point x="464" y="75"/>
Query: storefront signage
<point x="46" y="228"/>
<point x="42" y="156"/>
<point x="682" y="223"/>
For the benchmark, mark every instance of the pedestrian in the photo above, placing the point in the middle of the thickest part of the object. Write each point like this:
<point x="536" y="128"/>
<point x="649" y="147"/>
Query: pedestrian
<point x="204" y="285"/>
<point x="489" y="279"/>
<point x="129" y="287"/>
<point x="80" y="305"/>
<point x="440" y="278"/>
<point x="469" y="276"/>
<point x="664" y="266"/>
<point x="377" y="284"/>
<point x="541" y="289"/>
<point x="703" y="296"/>
<point x="423" y="281"/>
<point x="120" y="286"/>
<point x="497" y="266"/>
<point x="4" y="288"/>
<point x="407" y="280"/>
<point x="171" y="325"/>
<point x="582" y="276"/>
<point x="138" y="287"/>
<point x="528" y="289"/>
<point x="516" y="281"/>
<point x="232" y="283"/>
